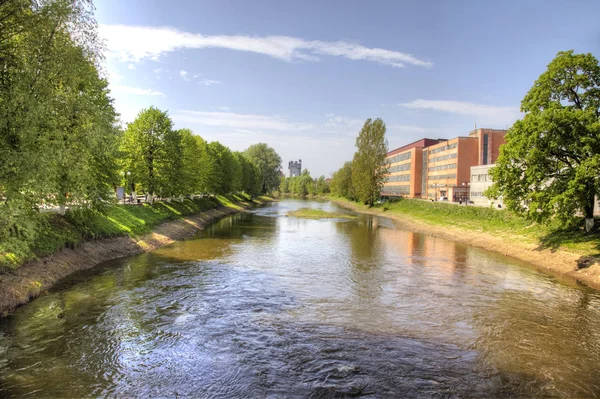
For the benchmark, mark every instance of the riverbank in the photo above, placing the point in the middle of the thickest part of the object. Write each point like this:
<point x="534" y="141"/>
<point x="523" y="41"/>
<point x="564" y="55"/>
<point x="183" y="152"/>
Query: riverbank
<point x="559" y="252"/>
<point x="127" y="230"/>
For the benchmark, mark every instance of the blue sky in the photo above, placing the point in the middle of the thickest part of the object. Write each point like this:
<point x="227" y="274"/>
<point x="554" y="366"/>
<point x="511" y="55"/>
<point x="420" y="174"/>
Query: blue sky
<point x="303" y="76"/>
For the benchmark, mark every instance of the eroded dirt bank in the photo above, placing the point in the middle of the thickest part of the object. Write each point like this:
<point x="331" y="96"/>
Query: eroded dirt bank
<point x="32" y="279"/>
<point x="555" y="262"/>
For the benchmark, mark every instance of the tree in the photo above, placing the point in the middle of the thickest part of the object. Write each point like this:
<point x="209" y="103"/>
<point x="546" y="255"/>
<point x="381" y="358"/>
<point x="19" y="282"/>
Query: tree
<point x="57" y="123"/>
<point x="369" y="166"/>
<point x="550" y="163"/>
<point x="321" y="186"/>
<point x="341" y="182"/>
<point x="268" y="163"/>
<point x="222" y="178"/>
<point x="147" y="144"/>
<point x="284" y="186"/>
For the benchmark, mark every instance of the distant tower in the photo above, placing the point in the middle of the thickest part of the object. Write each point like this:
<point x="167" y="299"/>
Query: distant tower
<point x="295" y="168"/>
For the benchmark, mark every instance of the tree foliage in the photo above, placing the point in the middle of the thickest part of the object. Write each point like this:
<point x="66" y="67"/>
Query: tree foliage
<point x="268" y="163"/>
<point x="150" y="146"/>
<point x="341" y="182"/>
<point x="369" y="167"/>
<point x="550" y="163"/>
<point x="57" y="123"/>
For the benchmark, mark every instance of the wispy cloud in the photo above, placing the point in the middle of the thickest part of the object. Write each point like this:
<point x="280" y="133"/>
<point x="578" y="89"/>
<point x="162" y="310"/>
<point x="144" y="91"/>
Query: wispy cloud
<point x="208" y="82"/>
<point x="484" y="113"/>
<point x="131" y="66"/>
<point x="135" y="90"/>
<point x="241" y="122"/>
<point x="184" y="75"/>
<point x="135" y="43"/>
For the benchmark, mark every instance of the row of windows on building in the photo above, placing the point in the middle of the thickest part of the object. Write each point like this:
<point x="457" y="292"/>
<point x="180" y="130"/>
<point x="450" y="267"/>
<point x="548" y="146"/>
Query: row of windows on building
<point x="477" y="194"/>
<point x="399" y="157"/>
<point x="444" y="157"/>
<point x="443" y="167"/>
<point x="390" y="179"/>
<point x="444" y="148"/>
<point x="442" y="177"/>
<point x="483" y="177"/>
<point x="397" y="190"/>
<point x="399" y="168"/>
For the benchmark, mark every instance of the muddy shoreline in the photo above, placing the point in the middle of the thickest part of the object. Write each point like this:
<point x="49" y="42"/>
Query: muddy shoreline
<point x="34" y="278"/>
<point x="558" y="263"/>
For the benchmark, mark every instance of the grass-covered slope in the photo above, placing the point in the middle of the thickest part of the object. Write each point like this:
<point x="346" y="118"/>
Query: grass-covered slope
<point x="57" y="232"/>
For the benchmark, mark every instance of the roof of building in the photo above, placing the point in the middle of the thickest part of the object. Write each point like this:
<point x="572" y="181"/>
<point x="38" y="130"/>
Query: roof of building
<point x="421" y="143"/>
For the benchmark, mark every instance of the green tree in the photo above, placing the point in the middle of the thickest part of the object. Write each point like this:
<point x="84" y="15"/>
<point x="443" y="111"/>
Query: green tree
<point x="321" y="186"/>
<point x="221" y="181"/>
<point x="268" y="163"/>
<point x="341" y="182"/>
<point x="284" y="186"/>
<point x="369" y="167"/>
<point x="550" y="163"/>
<point x="238" y="172"/>
<point x="147" y="145"/>
<point x="57" y="123"/>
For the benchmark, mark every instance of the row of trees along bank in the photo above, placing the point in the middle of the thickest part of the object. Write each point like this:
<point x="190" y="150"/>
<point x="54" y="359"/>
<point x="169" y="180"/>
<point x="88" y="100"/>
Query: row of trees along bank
<point x="60" y="140"/>
<point x="304" y="185"/>
<point x="172" y="163"/>
<point x="548" y="170"/>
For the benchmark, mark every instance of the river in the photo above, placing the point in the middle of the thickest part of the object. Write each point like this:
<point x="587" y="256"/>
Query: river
<point x="265" y="305"/>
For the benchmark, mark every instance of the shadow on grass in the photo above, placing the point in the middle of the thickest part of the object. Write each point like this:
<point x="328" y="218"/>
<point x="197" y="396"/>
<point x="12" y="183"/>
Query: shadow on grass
<point x="574" y="237"/>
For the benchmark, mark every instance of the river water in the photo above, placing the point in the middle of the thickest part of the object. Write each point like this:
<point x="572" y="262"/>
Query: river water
<point x="268" y="306"/>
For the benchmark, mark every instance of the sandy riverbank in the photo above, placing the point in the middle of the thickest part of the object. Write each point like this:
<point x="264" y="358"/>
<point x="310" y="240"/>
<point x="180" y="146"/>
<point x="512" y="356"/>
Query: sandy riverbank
<point x="555" y="262"/>
<point x="32" y="279"/>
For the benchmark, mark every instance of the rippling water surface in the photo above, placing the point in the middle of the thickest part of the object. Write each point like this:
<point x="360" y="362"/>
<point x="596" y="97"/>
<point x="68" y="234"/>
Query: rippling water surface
<point x="264" y="305"/>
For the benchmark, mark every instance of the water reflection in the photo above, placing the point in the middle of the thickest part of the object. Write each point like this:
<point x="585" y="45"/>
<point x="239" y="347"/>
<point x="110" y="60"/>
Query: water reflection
<point x="265" y="305"/>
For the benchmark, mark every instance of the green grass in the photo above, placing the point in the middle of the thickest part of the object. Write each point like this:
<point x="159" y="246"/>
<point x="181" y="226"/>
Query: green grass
<point x="307" y="213"/>
<point x="56" y="232"/>
<point x="501" y="223"/>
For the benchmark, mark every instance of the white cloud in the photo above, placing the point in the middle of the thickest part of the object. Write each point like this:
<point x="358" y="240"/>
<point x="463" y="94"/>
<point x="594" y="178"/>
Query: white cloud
<point x="131" y="66"/>
<point x="135" y="90"/>
<point x="241" y="122"/>
<point x="135" y="43"/>
<point x="208" y="82"/>
<point x="224" y="108"/>
<point x="485" y="114"/>
<point x="340" y="124"/>
<point x="184" y="75"/>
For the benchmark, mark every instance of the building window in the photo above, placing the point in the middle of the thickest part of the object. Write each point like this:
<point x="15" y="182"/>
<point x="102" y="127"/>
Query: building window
<point x="444" y="148"/>
<point x="442" y="167"/>
<point x="441" y="177"/>
<point x="399" y="168"/>
<point x="399" y="158"/>
<point x="396" y="178"/>
<point x="485" y="149"/>
<point x="444" y="157"/>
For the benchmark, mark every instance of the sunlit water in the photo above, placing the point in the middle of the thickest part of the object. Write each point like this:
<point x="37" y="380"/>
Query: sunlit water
<point x="268" y="306"/>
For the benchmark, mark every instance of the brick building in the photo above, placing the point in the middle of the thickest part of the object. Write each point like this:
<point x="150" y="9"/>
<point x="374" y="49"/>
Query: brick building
<point x="438" y="168"/>
<point x="405" y="169"/>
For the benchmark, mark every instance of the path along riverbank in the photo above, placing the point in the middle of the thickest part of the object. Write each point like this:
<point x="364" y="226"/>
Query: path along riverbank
<point x="34" y="278"/>
<point x="580" y="264"/>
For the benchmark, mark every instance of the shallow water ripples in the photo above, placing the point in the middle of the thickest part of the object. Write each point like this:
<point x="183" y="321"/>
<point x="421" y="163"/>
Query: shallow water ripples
<point x="263" y="305"/>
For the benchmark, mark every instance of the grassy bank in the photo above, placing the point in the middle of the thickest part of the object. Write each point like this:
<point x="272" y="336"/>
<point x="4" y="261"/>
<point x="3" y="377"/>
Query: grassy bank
<point x="501" y="224"/>
<point x="57" y="232"/>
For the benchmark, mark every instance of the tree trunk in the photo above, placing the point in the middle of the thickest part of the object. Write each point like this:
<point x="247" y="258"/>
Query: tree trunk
<point x="588" y="211"/>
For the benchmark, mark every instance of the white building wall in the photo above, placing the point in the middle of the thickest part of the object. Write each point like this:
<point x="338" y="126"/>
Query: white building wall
<point x="481" y="181"/>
